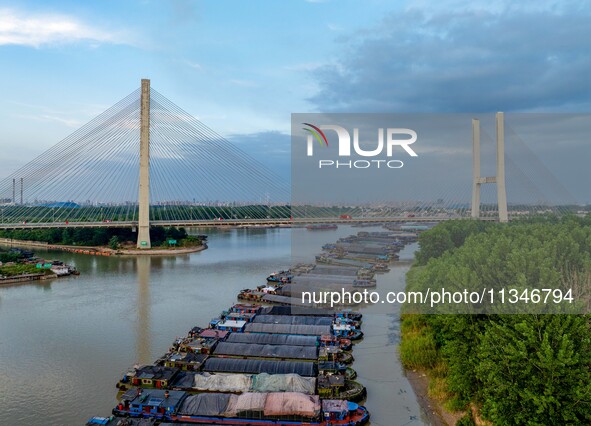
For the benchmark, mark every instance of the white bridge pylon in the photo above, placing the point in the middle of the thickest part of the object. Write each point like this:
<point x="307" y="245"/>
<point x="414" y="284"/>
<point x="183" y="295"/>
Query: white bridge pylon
<point x="499" y="179"/>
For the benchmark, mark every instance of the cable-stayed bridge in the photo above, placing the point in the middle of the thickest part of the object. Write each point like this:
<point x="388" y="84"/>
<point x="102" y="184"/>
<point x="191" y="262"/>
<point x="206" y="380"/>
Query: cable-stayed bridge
<point x="146" y="162"/>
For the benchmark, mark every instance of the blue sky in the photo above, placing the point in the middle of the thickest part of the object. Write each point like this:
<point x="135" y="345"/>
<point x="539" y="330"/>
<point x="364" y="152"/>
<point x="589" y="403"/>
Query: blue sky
<point x="242" y="67"/>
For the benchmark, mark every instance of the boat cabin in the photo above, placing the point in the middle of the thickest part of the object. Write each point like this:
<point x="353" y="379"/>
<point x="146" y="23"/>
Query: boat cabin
<point x="237" y="316"/>
<point x="246" y="308"/>
<point x="213" y="333"/>
<point x="236" y="326"/>
<point x="152" y="376"/>
<point x="337" y="409"/>
<point x="185" y="361"/>
<point x="330" y="385"/>
<point x="156" y="403"/>
<point x="328" y="353"/>
<point x="195" y="331"/>
<point x="349" y="331"/>
<point x="331" y="367"/>
<point x="199" y="345"/>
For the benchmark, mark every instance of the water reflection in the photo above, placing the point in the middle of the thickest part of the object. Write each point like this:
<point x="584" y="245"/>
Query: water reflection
<point x="142" y="327"/>
<point x="65" y="343"/>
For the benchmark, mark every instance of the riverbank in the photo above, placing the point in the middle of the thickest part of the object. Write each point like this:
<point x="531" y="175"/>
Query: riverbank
<point x="19" y="279"/>
<point x="434" y="410"/>
<point x="159" y="252"/>
<point x="103" y="251"/>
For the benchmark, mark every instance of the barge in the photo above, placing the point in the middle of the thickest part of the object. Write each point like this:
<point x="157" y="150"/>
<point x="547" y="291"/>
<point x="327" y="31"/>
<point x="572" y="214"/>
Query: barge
<point x="273" y="408"/>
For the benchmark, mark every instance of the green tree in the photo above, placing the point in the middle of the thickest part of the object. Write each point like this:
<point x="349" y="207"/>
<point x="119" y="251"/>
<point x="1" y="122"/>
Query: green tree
<point x="433" y="244"/>
<point x="534" y="370"/>
<point x="114" y="242"/>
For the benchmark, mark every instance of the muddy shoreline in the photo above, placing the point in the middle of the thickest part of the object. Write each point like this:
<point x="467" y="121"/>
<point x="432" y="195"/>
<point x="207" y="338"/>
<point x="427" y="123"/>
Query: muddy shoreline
<point x="435" y="413"/>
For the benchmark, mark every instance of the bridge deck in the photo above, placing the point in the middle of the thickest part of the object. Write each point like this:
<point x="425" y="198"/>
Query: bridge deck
<point x="231" y="222"/>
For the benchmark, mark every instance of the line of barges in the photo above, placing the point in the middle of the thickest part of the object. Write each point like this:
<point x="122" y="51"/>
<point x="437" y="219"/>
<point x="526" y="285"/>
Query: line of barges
<point x="267" y="365"/>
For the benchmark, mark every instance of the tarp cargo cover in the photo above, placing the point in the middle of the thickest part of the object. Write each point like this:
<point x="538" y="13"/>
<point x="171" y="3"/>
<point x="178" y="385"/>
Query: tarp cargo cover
<point x="292" y="403"/>
<point x="222" y="382"/>
<point x="283" y="383"/>
<point x="267" y="351"/>
<point x="309" y="330"/>
<point x="292" y="319"/>
<point x="205" y="404"/>
<point x="255" y="366"/>
<point x="273" y="339"/>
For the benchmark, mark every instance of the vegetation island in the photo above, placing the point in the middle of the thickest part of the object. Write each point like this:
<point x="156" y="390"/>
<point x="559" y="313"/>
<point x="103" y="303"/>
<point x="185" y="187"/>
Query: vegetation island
<point x="109" y="240"/>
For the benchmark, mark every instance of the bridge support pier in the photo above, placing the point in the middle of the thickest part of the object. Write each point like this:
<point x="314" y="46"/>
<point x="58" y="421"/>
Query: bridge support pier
<point x="499" y="179"/>
<point x="143" y="235"/>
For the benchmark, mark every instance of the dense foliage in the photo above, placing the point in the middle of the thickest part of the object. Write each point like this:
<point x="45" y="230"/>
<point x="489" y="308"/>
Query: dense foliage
<point x="99" y="236"/>
<point x="19" y="269"/>
<point x="9" y="256"/>
<point x="521" y="369"/>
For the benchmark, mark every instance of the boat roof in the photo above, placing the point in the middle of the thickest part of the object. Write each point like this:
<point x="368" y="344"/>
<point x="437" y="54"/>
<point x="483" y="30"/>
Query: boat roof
<point x="155" y="372"/>
<point x="335" y="406"/>
<point x="188" y="357"/>
<point x="153" y="397"/>
<point x="245" y="306"/>
<point x="212" y="332"/>
<point x="341" y="326"/>
<point x="328" y="380"/>
<point x="232" y="323"/>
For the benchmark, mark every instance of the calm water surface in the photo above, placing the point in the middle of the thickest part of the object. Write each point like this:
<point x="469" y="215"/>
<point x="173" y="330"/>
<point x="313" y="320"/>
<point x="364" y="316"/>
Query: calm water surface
<point x="65" y="343"/>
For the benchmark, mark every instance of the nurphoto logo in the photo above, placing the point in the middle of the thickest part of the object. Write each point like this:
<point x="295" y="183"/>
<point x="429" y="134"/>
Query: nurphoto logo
<point x="387" y="141"/>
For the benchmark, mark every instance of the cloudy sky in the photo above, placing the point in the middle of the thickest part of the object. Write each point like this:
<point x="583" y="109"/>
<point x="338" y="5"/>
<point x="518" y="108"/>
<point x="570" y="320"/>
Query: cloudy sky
<point x="242" y="67"/>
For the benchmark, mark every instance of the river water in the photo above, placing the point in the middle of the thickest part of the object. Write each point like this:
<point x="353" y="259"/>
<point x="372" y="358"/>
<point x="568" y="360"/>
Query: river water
<point x="64" y="343"/>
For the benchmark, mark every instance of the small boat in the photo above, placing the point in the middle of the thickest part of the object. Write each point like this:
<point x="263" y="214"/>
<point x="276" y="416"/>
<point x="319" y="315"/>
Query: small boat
<point x="364" y="283"/>
<point x="246" y="308"/>
<point x="341" y="329"/>
<point x="336" y="386"/>
<point x="60" y="270"/>
<point x="283" y="277"/>
<point x="332" y="340"/>
<point x="349" y="314"/>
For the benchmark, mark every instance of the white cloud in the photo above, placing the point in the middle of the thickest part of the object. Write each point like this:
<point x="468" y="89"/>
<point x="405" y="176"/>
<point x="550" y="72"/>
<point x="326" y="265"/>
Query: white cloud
<point x="73" y="123"/>
<point x="35" y="30"/>
<point x="194" y="65"/>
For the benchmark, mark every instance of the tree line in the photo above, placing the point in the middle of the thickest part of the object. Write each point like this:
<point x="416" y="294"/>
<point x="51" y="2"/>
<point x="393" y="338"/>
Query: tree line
<point x="532" y="367"/>
<point x="99" y="236"/>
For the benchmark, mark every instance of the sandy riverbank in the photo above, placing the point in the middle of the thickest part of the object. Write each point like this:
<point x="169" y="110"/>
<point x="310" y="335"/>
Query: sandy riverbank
<point x="159" y="252"/>
<point x="437" y="416"/>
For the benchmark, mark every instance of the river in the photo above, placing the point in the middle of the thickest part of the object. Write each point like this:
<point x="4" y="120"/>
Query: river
<point x="64" y="343"/>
